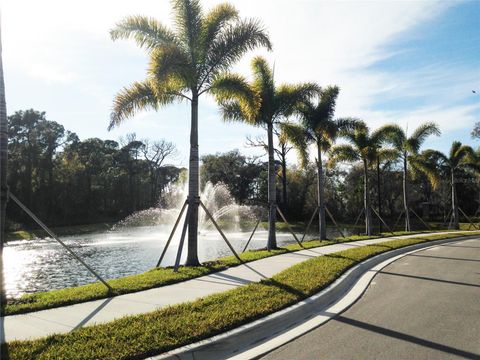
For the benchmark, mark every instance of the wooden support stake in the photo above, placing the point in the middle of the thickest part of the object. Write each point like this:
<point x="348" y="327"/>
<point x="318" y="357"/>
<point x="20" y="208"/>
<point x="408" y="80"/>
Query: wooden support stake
<point x="331" y="217"/>
<point x="288" y="226"/>
<point x="471" y="223"/>
<point x="358" y="218"/>
<point x="384" y="223"/>
<point x="55" y="237"/>
<point x="182" y="240"/>
<point x="398" y="219"/>
<point x="251" y="236"/>
<point x="172" y="233"/>
<point x="309" y="224"/>
<point x="419" y="218"/>
<point x="220" y="231"/>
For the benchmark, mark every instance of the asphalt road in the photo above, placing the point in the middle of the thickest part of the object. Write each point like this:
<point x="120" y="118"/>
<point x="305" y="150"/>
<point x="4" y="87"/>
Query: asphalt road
<point x="423" y="306"/>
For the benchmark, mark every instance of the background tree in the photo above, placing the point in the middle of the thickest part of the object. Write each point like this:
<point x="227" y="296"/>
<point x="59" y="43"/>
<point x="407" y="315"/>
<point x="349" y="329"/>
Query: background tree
<point x="262" y="103"/>
<point x="317" y="127"/>
<point x="363" y="147"/>
<point x="236" y="171"/>
<point x="435" y="164"/>
<point x="408" y="147"/>
<point x="184" y="64"/>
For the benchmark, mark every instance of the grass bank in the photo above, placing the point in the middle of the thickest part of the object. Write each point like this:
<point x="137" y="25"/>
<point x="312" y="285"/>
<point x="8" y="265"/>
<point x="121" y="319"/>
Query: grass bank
<point x="139" y="336"/>
<point x="153" y="278"/>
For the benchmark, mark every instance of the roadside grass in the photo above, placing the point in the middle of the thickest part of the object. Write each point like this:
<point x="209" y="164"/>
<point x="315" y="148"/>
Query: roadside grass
<point x="139" y="336"/>
<point x="156" y="277"/>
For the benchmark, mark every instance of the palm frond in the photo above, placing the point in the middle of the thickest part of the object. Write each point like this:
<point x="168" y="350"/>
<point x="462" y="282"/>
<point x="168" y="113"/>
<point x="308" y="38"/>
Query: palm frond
<point x="384" y="134"/>
<point x="299" y="138"/>
<point x="342" y="153"/>
<point x="396" y="136"/>
<point x="170" y="63"/>
<point x="419" y="136"/>
<point x="231" y="44"/>
<point x="215" y="21"/>
<point x="427" y="166"/>
<point x="289" y="97"/>
<point x="188" y="22"/>
<point x="232" y="87"/>
<point x="139" y="96"/>
<point x="147" y="32"/>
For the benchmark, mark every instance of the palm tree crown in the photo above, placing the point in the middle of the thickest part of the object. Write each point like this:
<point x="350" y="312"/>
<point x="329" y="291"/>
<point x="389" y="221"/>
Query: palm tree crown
<point x="186" y="62"/>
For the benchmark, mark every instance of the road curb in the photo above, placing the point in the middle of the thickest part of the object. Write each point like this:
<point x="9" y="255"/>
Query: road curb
<point x="250" y="340"/>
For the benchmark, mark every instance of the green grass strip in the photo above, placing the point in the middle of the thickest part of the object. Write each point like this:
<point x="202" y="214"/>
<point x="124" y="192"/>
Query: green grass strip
<point x="153" y="278"/>
<point x="139" y="336"/>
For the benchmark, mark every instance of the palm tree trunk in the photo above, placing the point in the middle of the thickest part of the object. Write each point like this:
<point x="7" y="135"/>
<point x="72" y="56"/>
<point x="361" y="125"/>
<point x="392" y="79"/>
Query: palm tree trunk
<point x="193" y="187"/>
<point x="456" y="220"/>
<point x="366" y="198"/>
<point x="272" y="193"/>
<point x="322" y="225"/>
<point x="379" y="196"/>
<point x="405" y="193"/>
<point x="3" y="182"/>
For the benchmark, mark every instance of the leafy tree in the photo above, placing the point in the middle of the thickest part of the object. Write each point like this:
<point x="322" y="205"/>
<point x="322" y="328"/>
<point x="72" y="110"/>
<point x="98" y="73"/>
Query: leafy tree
<point x="236" y="171"/>
<point x="408" y="147"/>
<point x="184" y="64"/>
<point x="435" y="165"/>
<point x="476" y="131"/>
<point x="317" y="127"/>
<point x="262" y="103"/>
<point x="363" y="147"/>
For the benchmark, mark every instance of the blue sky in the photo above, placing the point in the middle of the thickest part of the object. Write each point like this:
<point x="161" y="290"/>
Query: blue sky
<point x="403" y="62"/>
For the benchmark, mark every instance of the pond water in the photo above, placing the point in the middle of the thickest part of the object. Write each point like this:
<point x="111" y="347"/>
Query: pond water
<point x="42" y="265"/>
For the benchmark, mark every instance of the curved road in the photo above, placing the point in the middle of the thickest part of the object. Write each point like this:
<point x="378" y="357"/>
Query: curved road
<point x="424" y="306"/>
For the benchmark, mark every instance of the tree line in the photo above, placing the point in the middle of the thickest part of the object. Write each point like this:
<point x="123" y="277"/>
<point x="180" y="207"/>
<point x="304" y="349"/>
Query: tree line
<point x="66" y="181"/>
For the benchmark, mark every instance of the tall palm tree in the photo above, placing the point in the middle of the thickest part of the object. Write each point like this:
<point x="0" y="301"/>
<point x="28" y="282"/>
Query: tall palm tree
<point x="317" y="126"/>
<point x="407" y="148"/>
<point x="185" y="63"/>
<point x="262" y="103"/>
<point x="363" y="147"/>
<point x="435" y="164"/>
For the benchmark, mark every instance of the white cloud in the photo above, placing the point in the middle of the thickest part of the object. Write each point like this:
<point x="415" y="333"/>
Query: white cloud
<point x="330" y="42"/>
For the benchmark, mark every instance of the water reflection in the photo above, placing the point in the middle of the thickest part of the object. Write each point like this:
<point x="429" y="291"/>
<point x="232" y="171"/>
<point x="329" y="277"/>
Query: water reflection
<point x="41" y="265"/>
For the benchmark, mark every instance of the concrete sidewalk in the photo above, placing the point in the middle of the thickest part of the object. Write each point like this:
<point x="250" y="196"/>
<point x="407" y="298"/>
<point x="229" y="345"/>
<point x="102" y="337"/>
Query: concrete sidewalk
<point x="65" y="319"/>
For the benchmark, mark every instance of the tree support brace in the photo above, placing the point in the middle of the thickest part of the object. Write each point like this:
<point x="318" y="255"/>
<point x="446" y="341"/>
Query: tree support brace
<point x="288" y="226"/>
<point x="419" y="218"/>
<point x="469" y="220"/>
<point x="55" y="237"/>
<point x="184" y="232"/>
<point x="310" y="223"/>
<point x="336" y="225"/>
<point x="384" y="223"/>
<point x="251" y="236"/>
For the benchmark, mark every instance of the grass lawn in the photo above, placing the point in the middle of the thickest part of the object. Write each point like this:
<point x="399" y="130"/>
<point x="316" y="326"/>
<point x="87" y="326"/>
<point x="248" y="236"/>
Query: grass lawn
<point x="60" y="231"/>
<point x="139" y="336"/>
<point x="153" y="278"/>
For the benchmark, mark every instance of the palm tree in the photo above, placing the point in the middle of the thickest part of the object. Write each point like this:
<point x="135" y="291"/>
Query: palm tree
<point x="320" y="128"/>
<point x="262" y="103"/>
<point x="434" y="164"/>
<point x="407" y="148"/>
<point x="363" y="147"/>
<point x="184" y="64"/>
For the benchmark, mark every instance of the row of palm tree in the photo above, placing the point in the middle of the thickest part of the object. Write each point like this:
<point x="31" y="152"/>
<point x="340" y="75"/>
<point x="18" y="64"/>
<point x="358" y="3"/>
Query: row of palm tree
<point x="194" y="58"/>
